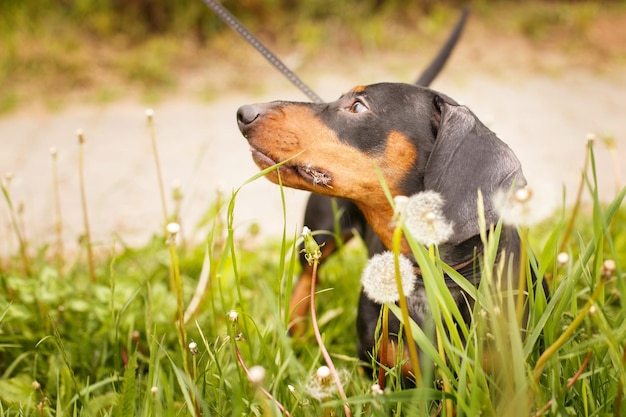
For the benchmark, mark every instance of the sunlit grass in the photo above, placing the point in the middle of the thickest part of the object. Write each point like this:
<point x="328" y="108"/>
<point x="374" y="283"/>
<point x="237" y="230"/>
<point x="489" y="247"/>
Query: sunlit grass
<point x="130" y="342"/>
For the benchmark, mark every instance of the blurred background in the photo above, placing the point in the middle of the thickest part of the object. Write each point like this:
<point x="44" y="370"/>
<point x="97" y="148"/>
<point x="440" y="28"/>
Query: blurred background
<point x="543" y="75"/>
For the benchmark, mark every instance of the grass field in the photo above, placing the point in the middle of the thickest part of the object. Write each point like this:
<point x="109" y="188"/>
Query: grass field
<point x="172" y="329"/>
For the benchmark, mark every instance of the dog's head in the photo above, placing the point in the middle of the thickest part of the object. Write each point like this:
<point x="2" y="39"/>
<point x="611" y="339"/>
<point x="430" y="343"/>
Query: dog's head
<point x="419" y="139"/>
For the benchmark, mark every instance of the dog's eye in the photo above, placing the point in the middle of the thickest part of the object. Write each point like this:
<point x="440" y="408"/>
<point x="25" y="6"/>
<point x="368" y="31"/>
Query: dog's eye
<point x="358" y="107"/>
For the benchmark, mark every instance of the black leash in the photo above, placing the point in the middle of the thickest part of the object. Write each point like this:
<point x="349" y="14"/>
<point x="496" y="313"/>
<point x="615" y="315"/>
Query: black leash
<point x="236" y="25"/>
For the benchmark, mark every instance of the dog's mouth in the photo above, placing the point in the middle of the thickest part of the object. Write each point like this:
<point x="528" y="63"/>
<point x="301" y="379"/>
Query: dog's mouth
<point x="309" y="173"/>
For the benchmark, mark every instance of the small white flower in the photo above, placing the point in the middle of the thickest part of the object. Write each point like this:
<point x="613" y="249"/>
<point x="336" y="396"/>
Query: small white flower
<point x="81" y="135"/>
<point x="256" y="374"/>
<point x="376" y="390"/>
<point x="400" y="202"/>
<point x="323" y="373"/>
<point x="425" y="220"/>
<point x="154" y="390"/>
<point x="36" y="385"/>
<point x="321" y="385"/>
<point x="173" y="228"/>
<point x="149" y="114"/>
<point x="379" y="278"/>
<point x="193" y="348"/>
<point x="233" y="316"/>
<point x="608" y="267"/>
<point x="524" y="207"/>
<point x="53" y="151"/>
<point x="562" y="259"/>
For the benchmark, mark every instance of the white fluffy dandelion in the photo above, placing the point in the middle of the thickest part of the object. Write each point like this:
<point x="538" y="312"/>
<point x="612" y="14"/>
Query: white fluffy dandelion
<point x="321" y="386"/>
<point x="233" y="316"/>
<point x="425" y="220"/>
<point x="256" y="374"/>
<point x="524" y="206"/>
<point x="379" y="278"/>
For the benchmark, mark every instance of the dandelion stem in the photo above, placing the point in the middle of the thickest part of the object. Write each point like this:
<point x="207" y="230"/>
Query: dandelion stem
<point x="58" y="221"/>
<point x="83" y="199"/>
<point x="570" y="384"/>
<point x="384" y="341"/>
<point x="178" y="288"/>
<point x="442" y="354"/>
<point x="320" y="342"/>
<point x="521" y="298"/>
<point x="551" y="350"/>
<point x="157" y="163"/>
<point x="397" y="240"/>
<point x="18" y="231"/>
<point x="263" y="390"/>
<point x="581" y="186"/>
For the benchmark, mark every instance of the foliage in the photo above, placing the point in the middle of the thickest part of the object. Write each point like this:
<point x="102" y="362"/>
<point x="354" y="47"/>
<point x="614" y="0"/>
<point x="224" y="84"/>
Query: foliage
<point x="116" y="346"/>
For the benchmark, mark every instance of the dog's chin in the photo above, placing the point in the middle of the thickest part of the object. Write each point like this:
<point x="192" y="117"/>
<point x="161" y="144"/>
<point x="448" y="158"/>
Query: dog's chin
<point x="304" y="177"/>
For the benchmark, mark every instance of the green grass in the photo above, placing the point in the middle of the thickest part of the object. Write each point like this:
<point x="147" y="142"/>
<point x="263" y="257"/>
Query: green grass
<point x="73" y="347"/>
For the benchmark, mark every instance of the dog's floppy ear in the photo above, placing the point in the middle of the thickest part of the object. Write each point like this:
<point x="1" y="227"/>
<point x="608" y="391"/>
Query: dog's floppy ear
<point x="467" y="156"/>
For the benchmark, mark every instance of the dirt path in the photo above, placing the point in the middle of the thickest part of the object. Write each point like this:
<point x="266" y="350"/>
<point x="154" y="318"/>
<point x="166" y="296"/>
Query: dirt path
<point x="545" y="119"/>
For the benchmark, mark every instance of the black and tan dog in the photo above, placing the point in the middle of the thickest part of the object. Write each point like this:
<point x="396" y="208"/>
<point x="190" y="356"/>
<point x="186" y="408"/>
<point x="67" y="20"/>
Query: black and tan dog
<point x="419" y="139"/>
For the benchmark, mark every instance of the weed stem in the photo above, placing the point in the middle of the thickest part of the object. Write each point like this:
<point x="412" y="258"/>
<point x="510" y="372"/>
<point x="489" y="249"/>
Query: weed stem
<point x="83" y="199"/>
<point x="320" y="342"/>
<point x="397" y="238"/>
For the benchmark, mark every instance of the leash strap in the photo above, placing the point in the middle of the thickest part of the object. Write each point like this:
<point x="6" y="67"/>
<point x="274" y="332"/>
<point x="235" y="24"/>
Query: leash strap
<point x="236" y="25"/>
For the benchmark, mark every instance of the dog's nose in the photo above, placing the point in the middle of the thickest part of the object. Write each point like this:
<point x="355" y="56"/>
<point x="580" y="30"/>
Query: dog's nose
<point x="247" y="114"/>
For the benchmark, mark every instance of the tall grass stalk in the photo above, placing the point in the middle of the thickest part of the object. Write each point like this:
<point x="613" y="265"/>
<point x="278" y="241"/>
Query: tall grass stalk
<point x="157" y="163"/>
<point x="313" y="255"/>
<point x="58" y="218"/>
<point x="83" y="200"/>
<point x="17" y="229"/>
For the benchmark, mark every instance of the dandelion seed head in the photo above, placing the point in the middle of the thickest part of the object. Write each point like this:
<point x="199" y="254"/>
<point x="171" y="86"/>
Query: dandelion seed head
<point x="81" y="135"/>
<point x="323" y="388"/>
<point x="233" y="316"/>
<point x="323" y="373"/>
<point x="400" y="202"/>
<point x="523" y="194"/>
<point x="425" y="220"/>
<point x="173" y="228"/>
<point x="379" y="278"/>
<point x="608" y="267"/>
<point x="525" y="206"/>
<point x="256" y="374"/>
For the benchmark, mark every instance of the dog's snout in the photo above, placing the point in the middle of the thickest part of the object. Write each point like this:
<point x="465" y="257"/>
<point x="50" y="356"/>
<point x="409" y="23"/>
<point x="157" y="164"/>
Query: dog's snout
<point x="247" y="114"/>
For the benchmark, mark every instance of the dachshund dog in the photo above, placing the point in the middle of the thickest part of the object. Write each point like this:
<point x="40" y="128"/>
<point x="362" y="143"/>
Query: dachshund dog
<point x="419" y="140"/>
<point x="342" y="218"/>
